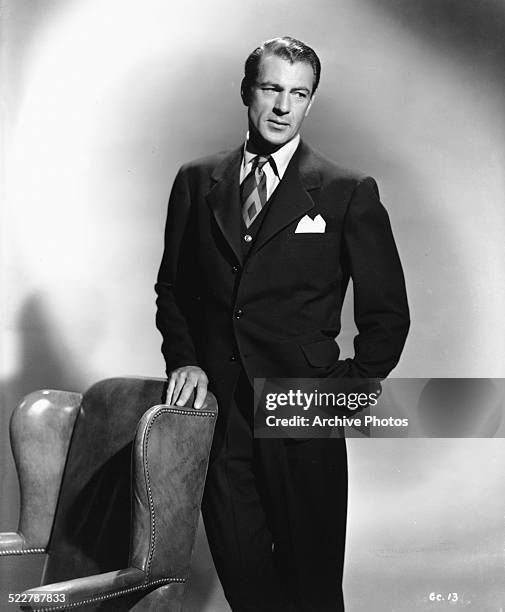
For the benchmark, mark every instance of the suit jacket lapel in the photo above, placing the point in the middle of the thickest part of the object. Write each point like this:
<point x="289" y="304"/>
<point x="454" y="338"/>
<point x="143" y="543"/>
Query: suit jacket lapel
<point x="224" y="199"/>
<point x="291" y="199"/>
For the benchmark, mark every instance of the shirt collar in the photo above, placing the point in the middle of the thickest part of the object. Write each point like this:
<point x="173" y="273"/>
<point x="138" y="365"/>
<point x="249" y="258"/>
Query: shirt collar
<point x="281" y="157"/>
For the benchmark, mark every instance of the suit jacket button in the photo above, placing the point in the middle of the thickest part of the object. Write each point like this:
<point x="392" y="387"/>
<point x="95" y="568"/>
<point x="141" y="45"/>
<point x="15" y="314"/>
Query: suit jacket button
<point x="235" y="269"/>
<point x="238" y="313"/>
<point x="233" y="358"/>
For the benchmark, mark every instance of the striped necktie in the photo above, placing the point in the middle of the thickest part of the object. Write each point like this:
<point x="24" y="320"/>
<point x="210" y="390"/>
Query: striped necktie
<point x="254" y="190"/>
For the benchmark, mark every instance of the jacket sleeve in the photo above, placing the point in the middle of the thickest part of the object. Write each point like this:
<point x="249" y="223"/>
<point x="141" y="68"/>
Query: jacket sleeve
<point x="177" y="303"/>
<point x="381" y="311"/>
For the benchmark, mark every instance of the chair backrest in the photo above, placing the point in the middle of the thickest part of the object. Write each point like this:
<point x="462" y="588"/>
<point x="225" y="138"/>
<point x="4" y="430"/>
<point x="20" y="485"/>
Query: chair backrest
<point x="92" y="522"/>
<point x="170" y="461"/>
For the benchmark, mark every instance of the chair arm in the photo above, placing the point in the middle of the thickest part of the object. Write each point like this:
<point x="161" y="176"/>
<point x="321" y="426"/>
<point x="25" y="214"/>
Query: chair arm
<point x="40" y="429"/>
<point x="12" y="543"/>
<point x="90" y="590"/>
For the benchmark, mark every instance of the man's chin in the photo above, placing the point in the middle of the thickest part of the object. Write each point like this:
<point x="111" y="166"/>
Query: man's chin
<point x="276" y="140"/>
<point x="269" y="141"/>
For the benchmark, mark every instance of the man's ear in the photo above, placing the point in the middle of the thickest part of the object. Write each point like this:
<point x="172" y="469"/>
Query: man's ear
<point x="310" y="104"/>
<point x="245" y="92"/>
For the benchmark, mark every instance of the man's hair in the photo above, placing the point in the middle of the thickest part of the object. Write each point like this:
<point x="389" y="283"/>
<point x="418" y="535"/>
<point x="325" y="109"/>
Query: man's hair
<point x="287" y="48"/>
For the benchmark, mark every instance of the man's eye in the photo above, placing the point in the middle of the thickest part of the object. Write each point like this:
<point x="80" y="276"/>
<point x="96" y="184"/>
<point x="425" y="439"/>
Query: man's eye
<point x="301" y="95"/>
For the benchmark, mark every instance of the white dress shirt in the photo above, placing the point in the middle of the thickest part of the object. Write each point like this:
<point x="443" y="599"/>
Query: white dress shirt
<point x="281" y="157"/>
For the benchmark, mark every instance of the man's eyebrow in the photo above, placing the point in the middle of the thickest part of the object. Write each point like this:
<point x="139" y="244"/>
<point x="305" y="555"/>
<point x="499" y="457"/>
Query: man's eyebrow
<point x="273" y="84"/>
<point x="268" y="83"/>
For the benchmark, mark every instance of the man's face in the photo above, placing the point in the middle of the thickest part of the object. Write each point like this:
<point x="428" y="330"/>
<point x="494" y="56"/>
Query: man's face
<point x="279" y="101"/>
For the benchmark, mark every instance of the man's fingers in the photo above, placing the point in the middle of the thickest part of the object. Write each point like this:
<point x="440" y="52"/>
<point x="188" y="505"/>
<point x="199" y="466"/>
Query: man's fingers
<point x="201" y="392"/>
<point x="170" y="390"/>
<point x="187" y="389"/>
<point x="182" y="383"/>
<point x="180" y="380"/>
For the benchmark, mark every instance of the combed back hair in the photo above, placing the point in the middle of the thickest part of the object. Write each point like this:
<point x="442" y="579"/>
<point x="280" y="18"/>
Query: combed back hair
<point x="288" y="48"/>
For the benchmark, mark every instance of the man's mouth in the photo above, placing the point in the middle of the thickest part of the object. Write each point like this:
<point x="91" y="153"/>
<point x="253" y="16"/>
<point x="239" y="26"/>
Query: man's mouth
<point x="279" y="123"/>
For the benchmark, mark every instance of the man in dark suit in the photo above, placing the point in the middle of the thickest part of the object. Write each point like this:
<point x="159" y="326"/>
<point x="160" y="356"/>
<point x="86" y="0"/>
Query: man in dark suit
<point x="260" y="245"/>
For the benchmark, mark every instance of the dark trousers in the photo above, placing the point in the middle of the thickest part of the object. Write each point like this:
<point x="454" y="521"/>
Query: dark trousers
<point x="275" y="517"/>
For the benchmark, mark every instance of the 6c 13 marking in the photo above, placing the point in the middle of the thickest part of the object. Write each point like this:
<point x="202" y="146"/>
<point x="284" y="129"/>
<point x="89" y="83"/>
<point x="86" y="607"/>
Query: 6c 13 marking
<point x="439" y="597"/>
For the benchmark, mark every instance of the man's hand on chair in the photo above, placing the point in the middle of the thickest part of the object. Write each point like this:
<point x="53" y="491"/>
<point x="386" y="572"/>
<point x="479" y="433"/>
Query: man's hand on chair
<point x="181" y="383"/>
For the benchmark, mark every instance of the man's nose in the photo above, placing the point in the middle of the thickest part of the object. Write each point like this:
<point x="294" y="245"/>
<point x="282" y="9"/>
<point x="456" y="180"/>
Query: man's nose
<point x="282" y="103"/>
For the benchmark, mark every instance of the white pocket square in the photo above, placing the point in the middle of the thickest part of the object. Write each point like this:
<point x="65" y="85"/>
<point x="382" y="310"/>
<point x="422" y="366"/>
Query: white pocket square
<point x="306" y="225"/>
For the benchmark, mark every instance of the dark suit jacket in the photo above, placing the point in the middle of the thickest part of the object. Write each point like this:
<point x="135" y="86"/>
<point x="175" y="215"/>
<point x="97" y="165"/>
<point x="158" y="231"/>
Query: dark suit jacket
<point x="277" y="313"/>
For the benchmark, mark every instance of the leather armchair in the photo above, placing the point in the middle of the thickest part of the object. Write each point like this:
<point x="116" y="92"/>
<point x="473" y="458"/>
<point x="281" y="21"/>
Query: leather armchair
<point x="111" y="485"/>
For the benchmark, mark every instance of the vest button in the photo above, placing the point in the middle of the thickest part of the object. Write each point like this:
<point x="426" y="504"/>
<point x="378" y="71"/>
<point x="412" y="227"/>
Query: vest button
<point x="248" y="238"/>
<point x="239" y="313"/>
<point x="235" y="269"/>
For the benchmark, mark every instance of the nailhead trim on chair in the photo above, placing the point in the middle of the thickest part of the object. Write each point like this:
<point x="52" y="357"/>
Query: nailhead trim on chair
<point x="148" y="479"/>
<point x="194" y="412"/>
<point x="112" y="595"/>
<point x="22" y="551"/>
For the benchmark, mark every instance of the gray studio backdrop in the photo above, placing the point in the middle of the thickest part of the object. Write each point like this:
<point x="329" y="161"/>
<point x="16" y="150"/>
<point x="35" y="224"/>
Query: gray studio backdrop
<point x="103" y="100"/>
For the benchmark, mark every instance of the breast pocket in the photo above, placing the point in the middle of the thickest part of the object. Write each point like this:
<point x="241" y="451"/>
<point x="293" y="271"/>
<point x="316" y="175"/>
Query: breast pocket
<point x="302" y="238"/>
<point x="312" y="253"/>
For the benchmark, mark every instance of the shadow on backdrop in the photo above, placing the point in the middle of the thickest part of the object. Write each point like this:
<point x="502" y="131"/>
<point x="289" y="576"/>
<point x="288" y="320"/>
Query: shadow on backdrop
<point x="44" y="362"/>
<point x="471" y="30"/>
